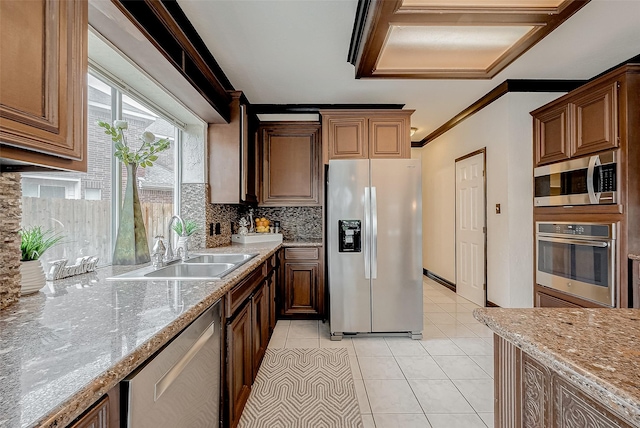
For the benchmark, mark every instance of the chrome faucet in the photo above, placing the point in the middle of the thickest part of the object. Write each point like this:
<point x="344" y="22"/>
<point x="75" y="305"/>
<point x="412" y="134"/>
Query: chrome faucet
<point x="158" y="252"/>
<point x="168" y="255"/>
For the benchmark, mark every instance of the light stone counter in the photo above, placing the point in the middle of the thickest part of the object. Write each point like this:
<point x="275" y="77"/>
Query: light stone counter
<point x="64" y="347"/>
<point x="597" y="350"/>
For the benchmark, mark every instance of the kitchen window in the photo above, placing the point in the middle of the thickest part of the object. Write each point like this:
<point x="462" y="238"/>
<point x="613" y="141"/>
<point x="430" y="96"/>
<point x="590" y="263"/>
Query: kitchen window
<point x="84" y="207"/>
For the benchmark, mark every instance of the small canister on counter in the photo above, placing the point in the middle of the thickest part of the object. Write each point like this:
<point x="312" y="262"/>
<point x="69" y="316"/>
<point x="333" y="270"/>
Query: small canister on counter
<point x="276" y="227"/>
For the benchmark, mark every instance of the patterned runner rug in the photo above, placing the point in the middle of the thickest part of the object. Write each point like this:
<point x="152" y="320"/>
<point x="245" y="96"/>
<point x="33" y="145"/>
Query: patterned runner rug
<point x="303" y="388"/>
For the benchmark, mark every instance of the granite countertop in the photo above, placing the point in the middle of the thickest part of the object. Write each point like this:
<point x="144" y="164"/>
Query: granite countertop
<point x="302" y="243"/>
<point x="598" y="350"/>
<point x="64" y="347"/>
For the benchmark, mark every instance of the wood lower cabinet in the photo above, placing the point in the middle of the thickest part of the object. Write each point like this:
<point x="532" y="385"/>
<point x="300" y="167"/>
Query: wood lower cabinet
<point x="302" y="288"/>
<point x="239" y="374"/>
<point x="529" y="394"/>
<point x="366" y="134"/>
<point x="290" y="173"/>
<point x="260" y="325"/>
<point x="43" y="81"/>
<point x="97" y="417"/>
<point x="273" y="286"/>
<point x="250" y="314"/>
<point x="104" y="413"/>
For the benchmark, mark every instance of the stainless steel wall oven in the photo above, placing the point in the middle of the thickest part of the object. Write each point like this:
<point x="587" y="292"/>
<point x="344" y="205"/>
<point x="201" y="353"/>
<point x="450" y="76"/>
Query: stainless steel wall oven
<point x="579" y="259"/>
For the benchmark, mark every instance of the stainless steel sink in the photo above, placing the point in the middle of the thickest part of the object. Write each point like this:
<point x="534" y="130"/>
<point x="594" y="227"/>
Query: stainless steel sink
<point x="199" y="267"/>
<point x="212" y="270"/>
<point x="220" y="258"/>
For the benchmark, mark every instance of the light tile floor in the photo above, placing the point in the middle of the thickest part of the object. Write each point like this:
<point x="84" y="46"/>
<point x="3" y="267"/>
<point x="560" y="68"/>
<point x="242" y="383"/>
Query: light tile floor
<point x="444" y="380"/>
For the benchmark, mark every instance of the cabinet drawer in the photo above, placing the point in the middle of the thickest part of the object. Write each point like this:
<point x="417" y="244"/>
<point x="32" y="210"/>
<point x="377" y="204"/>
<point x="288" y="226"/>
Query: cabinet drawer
<point x="243" y="290"/>
<point x="311" y="253"/>
<point x="547" y="301"/>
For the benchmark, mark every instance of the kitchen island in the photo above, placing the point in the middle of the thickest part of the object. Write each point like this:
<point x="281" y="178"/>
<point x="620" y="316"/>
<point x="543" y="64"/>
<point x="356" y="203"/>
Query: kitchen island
<point x="565" y="367"/>
<point x="66" y="346"/>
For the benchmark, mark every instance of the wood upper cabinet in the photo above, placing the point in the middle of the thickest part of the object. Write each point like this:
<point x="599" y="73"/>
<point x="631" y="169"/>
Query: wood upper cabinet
<point x="43" y="81"/>
<point x="596" y="121"/>
<point x="290" y="174"/>
<point x="302" y="287"/>
<point x="239" y="363"/>
<point x="578" y="124"/>
<point x="366" y="134"/>
<point x="347" y="136"/>
<point x="232" y="154"/>
<point x="551" y="134"/>
<point x="389" y="137"/>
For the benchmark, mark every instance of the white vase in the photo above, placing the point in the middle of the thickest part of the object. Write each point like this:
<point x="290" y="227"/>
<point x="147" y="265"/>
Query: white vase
<point x="32" y="277"/>
<point x="183" y="242"/>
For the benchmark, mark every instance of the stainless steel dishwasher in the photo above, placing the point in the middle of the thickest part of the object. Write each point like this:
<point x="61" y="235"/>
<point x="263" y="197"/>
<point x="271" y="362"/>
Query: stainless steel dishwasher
<point x="179" y="386"/>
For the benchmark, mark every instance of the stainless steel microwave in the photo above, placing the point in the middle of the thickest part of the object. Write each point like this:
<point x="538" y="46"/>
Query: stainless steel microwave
<point x="590" y="180"/>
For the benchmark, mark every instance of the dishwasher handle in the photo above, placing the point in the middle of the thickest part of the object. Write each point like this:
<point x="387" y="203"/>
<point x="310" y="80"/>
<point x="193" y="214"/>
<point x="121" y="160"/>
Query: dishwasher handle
<point x="172" y="374"/>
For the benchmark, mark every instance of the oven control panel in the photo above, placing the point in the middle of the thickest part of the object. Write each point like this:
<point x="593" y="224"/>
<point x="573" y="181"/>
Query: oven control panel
<point x="583" y="230"/>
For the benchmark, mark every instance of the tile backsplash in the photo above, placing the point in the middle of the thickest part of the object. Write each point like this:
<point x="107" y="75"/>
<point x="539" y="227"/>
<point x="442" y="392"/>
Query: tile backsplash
<point x="295" y="222"/>
<point x="11" y="208"/>
<point x="223" y="214"/>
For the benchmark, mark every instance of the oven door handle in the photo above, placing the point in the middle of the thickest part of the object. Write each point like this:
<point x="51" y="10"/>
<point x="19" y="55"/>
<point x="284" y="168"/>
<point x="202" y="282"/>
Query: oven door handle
<point x="594" y="198"/>
<point x="583" y="242"/>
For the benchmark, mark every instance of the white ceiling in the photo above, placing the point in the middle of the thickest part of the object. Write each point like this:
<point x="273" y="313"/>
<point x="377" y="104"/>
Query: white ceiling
<point x="295" y="51"/>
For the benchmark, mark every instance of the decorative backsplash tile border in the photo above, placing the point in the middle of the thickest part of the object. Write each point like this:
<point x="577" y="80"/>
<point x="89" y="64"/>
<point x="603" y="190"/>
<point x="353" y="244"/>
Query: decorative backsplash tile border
<point x="193" y="207"/>
<point x="11" y="208"/>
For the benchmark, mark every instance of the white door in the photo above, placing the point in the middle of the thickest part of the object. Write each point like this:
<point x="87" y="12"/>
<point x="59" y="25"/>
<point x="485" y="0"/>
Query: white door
<point x="470" y="223"/>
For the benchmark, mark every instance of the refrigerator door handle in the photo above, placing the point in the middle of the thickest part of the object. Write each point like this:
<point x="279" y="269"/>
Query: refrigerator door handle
<point x="367" y="225"/>
<point x="374" y="234"/>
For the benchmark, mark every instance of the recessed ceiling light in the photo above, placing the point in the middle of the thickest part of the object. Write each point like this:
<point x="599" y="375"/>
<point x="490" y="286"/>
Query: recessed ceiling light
<point x="449" y="39"/>
<point x="482" y="3"/>
<point x="447" y="47"/>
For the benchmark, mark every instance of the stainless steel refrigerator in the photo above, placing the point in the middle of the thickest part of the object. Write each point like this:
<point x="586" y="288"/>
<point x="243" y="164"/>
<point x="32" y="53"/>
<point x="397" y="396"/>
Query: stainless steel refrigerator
<point x="374" y="254"/>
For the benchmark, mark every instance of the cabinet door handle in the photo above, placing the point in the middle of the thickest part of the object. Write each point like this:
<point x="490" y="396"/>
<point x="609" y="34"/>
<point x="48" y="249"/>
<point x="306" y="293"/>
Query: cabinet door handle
<point x="172" y="374"/>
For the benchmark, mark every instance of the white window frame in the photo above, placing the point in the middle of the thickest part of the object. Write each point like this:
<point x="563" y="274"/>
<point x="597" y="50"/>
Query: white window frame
<point x="117" y="90"/>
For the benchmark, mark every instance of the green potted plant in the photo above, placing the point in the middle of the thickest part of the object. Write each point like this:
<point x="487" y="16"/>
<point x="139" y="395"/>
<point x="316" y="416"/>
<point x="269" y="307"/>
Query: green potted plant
<point x="190" y="227"/>
<point x="33" y="243"/>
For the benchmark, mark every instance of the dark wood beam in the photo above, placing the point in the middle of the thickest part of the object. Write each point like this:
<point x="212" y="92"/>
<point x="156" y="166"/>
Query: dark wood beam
<point x="314" y="108"/>
<point x="167" y="28"/>
<point x="511" y="85"/>
<point x="358" y="30"/>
